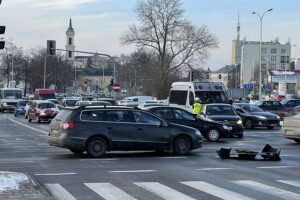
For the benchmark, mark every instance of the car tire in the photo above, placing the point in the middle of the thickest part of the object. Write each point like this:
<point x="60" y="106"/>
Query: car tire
<point x="270" y="127"/>
<point x="248" y="124"/>
<point x="96" y="147"/>
<point x="297" y="140"/>
<point x="213" y="135"/>
<point x="29" y="120"/>
<point x="77" y="151"/>
<point x="182" y="145"/>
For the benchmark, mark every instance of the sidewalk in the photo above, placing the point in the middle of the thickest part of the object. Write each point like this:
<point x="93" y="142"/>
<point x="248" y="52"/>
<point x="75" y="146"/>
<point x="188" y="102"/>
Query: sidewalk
<point x="17" y="186"/>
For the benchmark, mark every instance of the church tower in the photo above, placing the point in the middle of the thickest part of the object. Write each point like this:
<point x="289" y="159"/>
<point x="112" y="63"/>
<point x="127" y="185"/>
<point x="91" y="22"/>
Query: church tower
<point x="70" y="46"/>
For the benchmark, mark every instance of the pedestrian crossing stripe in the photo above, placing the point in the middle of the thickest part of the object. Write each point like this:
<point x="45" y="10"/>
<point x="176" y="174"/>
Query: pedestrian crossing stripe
<point x="109" y="191"/>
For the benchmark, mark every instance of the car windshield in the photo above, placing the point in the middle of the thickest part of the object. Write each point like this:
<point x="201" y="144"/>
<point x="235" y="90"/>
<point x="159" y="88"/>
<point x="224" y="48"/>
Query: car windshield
<point x="71" y="102"/>
<point x="212" y="97"/>
<point x="250" y="108"/>
<point x="22" y="103"/>
<point x="220" y="110"/>
<point x="46" y="105"/>
<point x="12" y="94"/>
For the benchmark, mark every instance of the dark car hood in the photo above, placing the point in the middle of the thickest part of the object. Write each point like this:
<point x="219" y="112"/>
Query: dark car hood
<point x="268" y="115"/>
<point x="224" y="117"/>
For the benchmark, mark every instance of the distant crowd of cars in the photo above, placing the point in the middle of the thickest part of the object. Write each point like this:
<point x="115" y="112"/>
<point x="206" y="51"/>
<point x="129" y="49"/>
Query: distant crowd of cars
<point x="99" y="125"/>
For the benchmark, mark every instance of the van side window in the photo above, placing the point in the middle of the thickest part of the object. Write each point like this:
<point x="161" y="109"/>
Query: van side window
<point x="191" y="98"/>
<point x="178" y="97"/>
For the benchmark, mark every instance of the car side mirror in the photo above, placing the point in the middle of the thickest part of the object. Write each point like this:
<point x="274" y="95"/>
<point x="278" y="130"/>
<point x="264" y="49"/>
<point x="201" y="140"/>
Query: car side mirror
<point x="59" y="107"/>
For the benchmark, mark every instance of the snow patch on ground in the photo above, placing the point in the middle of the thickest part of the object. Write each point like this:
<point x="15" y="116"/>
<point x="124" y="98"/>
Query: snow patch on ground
<point x="12" y="180"/>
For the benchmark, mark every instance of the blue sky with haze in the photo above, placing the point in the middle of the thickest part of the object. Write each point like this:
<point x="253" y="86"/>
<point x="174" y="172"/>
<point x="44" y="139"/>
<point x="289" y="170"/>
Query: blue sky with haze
<point x="99" y="23"/>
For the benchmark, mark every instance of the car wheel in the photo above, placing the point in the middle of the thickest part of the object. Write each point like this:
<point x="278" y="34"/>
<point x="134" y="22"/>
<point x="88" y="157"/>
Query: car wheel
<point x="29" y="119"/>
<point x="297" y="140"/>
<point x="96" y="147"/>
<point x="270" y="127"/>
<point x="77" y="151"/>
<point x="16" y="114"/>
<point x="248" y="124"/>
<point x="2" y="110"/>
<point x="213" y="135"/>
<point x="182" y="145"/>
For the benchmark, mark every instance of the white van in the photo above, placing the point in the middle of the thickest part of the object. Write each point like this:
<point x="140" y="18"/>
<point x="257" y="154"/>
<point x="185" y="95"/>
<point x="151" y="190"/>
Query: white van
<point x="9" y="97"/>
<point x="182" y="94"/>
<point x="135" y="100"/>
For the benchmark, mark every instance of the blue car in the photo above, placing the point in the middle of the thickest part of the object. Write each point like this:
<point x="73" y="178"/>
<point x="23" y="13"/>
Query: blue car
<point x="20" y="108"/>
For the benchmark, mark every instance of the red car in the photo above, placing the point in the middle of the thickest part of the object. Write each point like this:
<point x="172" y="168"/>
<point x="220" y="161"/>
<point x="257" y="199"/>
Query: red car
<point x="42" y="111"/>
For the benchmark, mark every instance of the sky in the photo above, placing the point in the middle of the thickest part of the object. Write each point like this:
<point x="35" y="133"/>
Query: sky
<point x="98" y="24"/>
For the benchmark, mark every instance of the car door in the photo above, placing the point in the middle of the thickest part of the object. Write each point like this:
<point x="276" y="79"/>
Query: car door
<point x="184" y="117"/>
<point x="152" y="132"/>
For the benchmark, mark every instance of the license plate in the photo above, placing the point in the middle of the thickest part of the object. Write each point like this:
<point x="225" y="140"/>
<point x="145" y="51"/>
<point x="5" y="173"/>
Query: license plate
<point x="273" y="124"/>
<point x="229" y="128"/>
<point x="54" y="132"/>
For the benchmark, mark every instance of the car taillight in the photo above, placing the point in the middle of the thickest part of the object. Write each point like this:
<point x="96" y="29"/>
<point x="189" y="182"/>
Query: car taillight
<point x="65" y="126"/>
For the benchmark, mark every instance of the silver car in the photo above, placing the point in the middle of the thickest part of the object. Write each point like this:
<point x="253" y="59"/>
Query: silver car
<point x="291" y="127"/>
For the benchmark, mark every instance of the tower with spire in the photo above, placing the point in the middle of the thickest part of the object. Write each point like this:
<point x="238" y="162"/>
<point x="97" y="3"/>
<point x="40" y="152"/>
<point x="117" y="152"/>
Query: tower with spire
<point x="70" y="45"/>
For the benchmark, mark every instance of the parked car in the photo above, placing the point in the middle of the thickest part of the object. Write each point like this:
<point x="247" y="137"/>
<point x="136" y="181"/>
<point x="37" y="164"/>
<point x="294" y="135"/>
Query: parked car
<point x="225" y="113"/>
<point x="290" y="103"/>
<point x="210" y="129"/>
<point x="253" y="116"/>
<point x="68" y="102"/>
<point x="291" y="127"/>
<point x="275" y="107"/>
<point x="99" y="129"/>
<point x="20" y="108"/>
<point x="41" y="110"/>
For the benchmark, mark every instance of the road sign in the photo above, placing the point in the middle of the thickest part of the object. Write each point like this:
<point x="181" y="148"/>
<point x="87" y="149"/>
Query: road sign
<point x="248" y="86"/>
<point x="116" y="87"/>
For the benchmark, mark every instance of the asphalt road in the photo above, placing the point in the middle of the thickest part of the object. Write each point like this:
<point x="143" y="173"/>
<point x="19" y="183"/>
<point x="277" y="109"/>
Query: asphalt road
<point x="149" y="175"/>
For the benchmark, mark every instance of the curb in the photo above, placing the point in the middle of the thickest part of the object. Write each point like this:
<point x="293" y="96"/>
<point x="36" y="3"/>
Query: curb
<point x="40" y="187"/>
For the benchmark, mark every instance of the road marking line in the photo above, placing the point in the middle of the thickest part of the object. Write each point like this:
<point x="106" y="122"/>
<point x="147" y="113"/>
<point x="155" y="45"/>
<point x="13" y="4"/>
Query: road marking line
<point x="103" y="159"/>
<point x="35" y="129"/>
<point x="173" y="157"/>
<point x="55" y="174"/>
<point x="109" y="191"/>
<point x="274" y="191"/>
<point x="293" y="183"/>
<point x="59" y="192"/>
<point x="216" y="191"/>
<point x="163" y="191"/>
<point x="208" y="169"/>
<point x="133" y="171"/>
<point x="273" y="167"/>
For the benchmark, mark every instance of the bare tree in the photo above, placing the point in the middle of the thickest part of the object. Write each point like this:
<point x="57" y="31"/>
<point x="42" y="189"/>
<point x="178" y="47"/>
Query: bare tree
<point x="163" y="29"/>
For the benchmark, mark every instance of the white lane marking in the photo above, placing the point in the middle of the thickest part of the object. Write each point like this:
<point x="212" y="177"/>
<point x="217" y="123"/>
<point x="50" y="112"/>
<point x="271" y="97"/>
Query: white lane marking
<point x="133" y="171"/>
<point x="273" y="167"/>
<point x="55" y="174"/>
<point x="293" y="183"/>
<point x="216" y="191"/>
<point x="218" y="168"/>
<point x="35" y="129"/>
<point x="163" y="191"/>
<point x="173" y="157"/>
<point x="274" y="191"/>
<point x="109" y="191"/>
<point x="103" y="159"/>
<point x="59" y="192"/>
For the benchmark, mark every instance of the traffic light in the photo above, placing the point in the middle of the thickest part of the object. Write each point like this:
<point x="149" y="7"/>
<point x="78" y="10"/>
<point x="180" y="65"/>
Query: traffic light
<point x="111" y="81"/>
<point x="2" y="31"/>
<point x="220" y="76"/>
<point x="51" y="46"/>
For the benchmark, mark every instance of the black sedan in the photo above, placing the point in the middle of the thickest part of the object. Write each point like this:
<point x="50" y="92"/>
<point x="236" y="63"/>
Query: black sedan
<point x="211" y="130"/>
<point x="253" y="116"/>
<point x="225" y="113"/>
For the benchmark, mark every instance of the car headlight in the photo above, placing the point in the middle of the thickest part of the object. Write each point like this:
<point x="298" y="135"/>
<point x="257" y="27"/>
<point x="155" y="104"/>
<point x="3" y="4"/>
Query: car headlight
<point x="278" y="117"/>
<point x="239" y="122"/>
<point x="5" y="104"/>
<point x="225" y="127"/>
<point x="198" y="133"/>
<point x="261" y="117"/>
<point x="43" y="114"/>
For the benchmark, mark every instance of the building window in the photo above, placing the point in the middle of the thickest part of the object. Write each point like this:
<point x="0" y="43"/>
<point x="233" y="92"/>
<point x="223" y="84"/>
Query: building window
<point x="273" y="66"/>
<point x="283" y="59"/>
<point x="70" y="41"/>
<point x="273" y="58"/>
<point x="263" y="66"/>
<point x="263" y="58"/>
<point x="283" y="51"/>
<point x="287" y="59"/>
<point x="273" y="50"/>
<point x="282" y="66"/>
<point x="70" y="54"/>
<point x="264" y="50"/>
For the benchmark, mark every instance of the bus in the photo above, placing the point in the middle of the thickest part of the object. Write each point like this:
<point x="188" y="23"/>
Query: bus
<point x="9" y="97"/>
<point x="182" y="94"/>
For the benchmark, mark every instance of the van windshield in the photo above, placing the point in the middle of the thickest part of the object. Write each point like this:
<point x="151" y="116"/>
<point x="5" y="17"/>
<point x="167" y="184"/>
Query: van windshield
<point x="212" y="97"/>
<point x="12" y="94"/>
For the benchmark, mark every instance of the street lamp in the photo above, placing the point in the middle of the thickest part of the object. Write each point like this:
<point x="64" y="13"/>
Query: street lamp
<point x="261" y="18"/>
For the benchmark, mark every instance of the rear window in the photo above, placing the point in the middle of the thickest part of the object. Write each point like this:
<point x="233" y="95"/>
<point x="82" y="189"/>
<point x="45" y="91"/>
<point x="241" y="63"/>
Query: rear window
<point x="178" y="97"/>
<point x="63" y="115"/>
